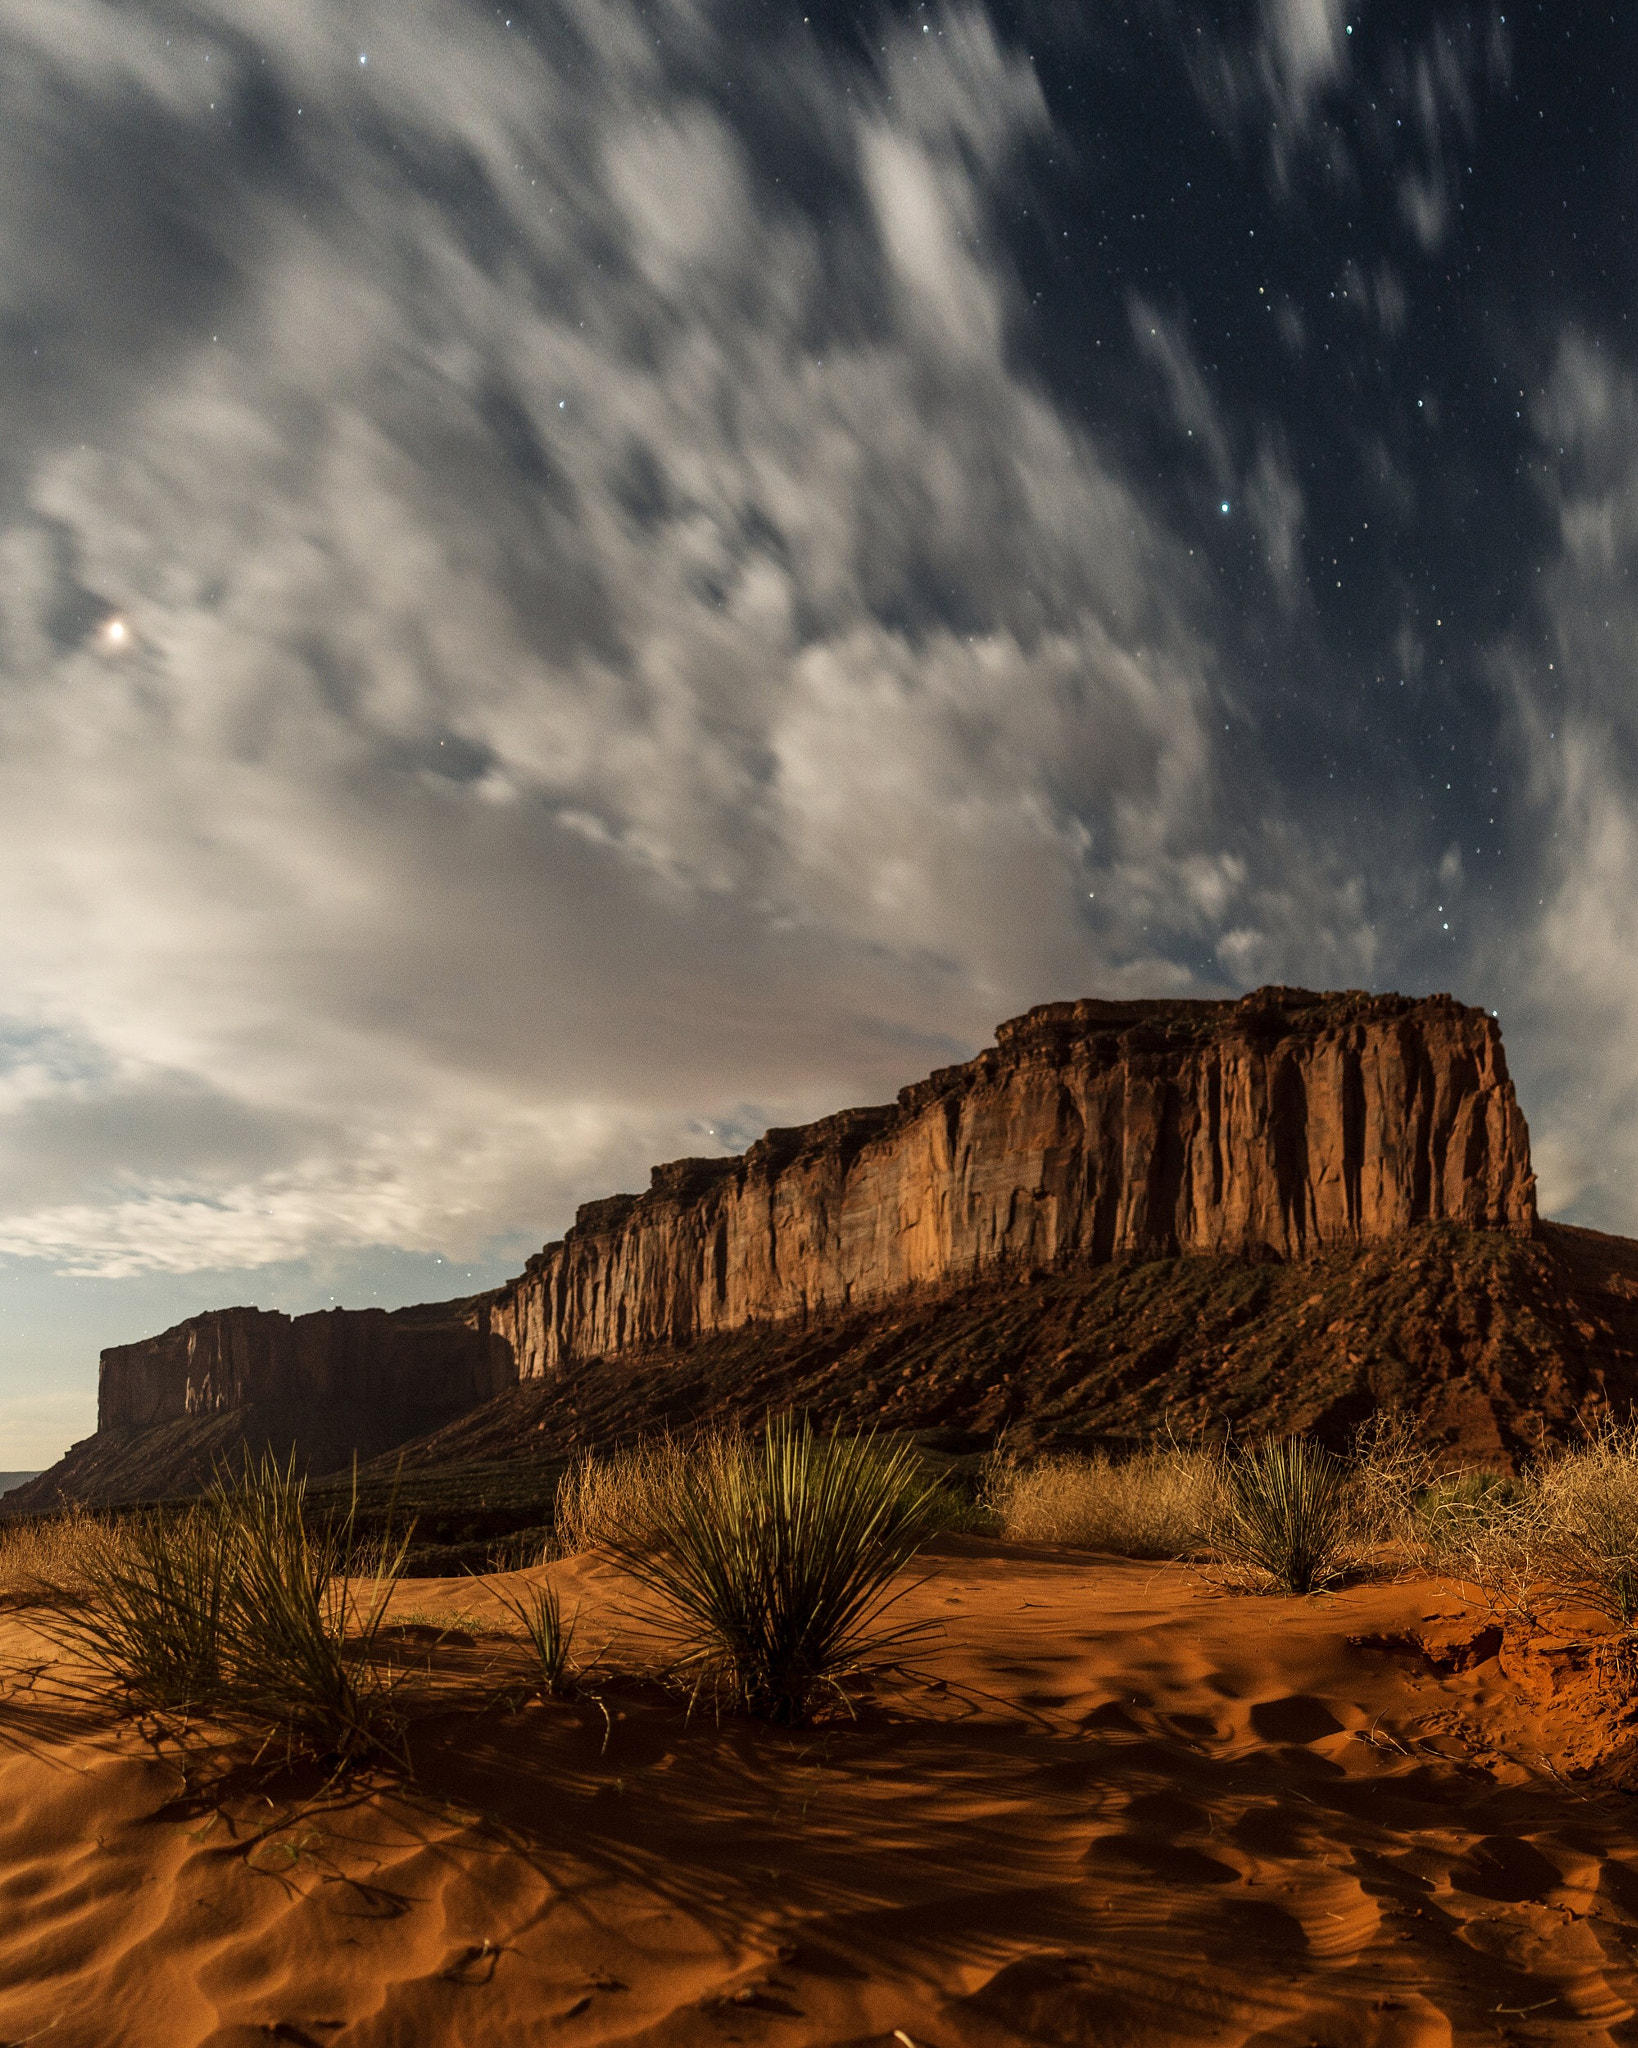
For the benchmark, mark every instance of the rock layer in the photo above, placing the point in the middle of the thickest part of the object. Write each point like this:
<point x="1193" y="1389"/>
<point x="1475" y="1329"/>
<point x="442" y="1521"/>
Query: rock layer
<point x="1274" y="1126"/>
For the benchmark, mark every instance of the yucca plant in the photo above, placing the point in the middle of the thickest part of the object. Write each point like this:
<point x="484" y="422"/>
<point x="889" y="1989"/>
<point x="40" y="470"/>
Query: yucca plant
<point x="769" y="1564"/>
<point x="548" y="1635"/>
<point x="157" y="1608"/>
<point x="303" y="1640"/>
<point x="1282" y="1512"/>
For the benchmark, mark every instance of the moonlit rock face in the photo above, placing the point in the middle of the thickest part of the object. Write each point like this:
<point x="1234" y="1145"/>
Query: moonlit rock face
<point x="1277" y="1125"/>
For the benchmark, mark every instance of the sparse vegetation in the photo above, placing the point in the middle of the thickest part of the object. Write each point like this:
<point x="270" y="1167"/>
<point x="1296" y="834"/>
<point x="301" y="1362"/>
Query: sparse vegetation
<point x="1585" y="1523"/>
<point x="1157" y="1503"/>
<point x="1390" y="1469"/>
<point x="1282" y="1515"/>
<point x="305" y="1620"/>
<point x="157" y="1607"/>
<point x="551" y="1639"/>
<point x="240" y="1609"/>
<point x="46" y="1558"/>
<point x="623" y="1493"/>
<point x="769" y="1563"/>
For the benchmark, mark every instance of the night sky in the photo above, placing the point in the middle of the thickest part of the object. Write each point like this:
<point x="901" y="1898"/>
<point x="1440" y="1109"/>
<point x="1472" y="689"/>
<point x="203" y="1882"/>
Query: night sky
<point x="580" y="579"/>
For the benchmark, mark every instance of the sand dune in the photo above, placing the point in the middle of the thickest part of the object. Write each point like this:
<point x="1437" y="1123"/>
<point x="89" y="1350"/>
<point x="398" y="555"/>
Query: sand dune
<point x="1119" y="1806"/>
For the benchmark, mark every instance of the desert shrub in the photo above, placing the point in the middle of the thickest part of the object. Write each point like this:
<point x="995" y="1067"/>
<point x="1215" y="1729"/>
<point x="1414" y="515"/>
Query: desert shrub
<point x="157" y="1600"/>
<point x="51" y="1557"/>
<point x="239" y="1607"/>
<point x="947" y="1510"/>
<point x="624" y="1492"/>
<point x="1583" y="1517"/>
<point x="1158" y="1503"/>
<point x="1282" y="1514"/>
<point x="549" y="1637"/>
<point x="305" y="1619"/>
<point x="768" y="1565"/>
<point x="1390" y="1469"/>
<point x="1457" y="1505"/>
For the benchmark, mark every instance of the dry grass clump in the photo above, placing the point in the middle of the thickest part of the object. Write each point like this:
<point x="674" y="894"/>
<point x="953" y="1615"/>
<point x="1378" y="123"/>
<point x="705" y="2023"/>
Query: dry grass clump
<point x="1562" y="1535"/>
<point x="49" y="1558"/>
<point x="1288" y="1515"/>
<point x="238" y="1608"/>
<point x="625" y="1491"/>
<point x="1583" y="1523"/>
<point x="1157" y="1503"/>
<point x="768" y="1564"/>
<point x="1391" y="1473"/>
<point x="153" y="1617"/>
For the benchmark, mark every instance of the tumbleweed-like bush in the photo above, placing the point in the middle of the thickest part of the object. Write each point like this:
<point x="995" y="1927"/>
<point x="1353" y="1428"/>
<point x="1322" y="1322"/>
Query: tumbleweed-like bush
<point x="1156" y="1503"/>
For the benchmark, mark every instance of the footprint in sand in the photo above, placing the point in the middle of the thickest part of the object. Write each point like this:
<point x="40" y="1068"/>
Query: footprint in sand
<point x="1506" y="1868"/>
<point x="1175" y="1862"/>
<point x="1297" y="1718"/>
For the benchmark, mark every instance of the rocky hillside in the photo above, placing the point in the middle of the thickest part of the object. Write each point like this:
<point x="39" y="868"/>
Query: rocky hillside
<point x="1492" y="1342"/>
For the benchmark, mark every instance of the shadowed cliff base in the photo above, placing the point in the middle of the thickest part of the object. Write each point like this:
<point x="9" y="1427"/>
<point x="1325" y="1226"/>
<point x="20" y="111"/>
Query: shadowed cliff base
<point x="1491" y="1342"/>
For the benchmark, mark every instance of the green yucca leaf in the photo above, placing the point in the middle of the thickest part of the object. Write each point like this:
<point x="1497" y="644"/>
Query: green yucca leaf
<point x="770" y="1564"/>
<point x="548" y="1635"/>
<point x="1283" y="1511"/>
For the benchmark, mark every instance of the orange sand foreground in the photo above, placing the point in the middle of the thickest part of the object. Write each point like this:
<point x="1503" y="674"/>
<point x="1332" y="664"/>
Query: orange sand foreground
<point x="1118" y="1807"/>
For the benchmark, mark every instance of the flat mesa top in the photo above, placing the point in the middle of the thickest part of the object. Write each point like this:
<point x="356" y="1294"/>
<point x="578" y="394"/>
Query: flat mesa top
<point x="1193" y="1017"/>
<point x="1157" y="1024"/>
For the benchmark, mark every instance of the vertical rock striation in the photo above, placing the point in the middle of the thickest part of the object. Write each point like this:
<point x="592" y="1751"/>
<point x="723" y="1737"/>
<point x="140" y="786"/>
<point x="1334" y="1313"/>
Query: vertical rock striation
<point x="1271" y="1127"/>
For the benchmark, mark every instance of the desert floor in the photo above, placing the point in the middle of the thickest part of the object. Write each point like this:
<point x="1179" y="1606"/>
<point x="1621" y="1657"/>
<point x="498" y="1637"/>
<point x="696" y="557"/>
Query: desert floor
<point x="1117" y="1805"/>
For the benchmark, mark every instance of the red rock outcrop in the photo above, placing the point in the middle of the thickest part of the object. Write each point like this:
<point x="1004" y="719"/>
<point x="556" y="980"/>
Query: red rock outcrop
<point x="430" y="1361"/>
<point x="1273" y="1126"/>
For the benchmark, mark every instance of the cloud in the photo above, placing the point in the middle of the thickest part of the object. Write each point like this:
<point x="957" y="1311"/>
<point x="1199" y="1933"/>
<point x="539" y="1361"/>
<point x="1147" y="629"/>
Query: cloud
<point x="610" y="651"/>
<point x="1275" y="502"/>
<point x="1575" y="964"/>
<point x="1303" y="44"/>
<point x="1274" y="79"/>
<point x="1194" y="410"/>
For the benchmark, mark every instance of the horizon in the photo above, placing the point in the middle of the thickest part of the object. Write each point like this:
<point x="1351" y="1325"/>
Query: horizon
<point x="588" y="580"/>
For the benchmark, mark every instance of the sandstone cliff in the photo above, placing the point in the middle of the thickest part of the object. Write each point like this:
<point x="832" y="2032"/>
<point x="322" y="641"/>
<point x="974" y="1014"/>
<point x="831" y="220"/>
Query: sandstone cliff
<point x="413" y="1366"/>
<point x="1274" y="1126"/>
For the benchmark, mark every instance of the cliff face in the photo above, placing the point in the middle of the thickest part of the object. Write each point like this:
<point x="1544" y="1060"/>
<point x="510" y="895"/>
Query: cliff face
<point x="1273" y="1126"/>
<point x="417" y="1366"/>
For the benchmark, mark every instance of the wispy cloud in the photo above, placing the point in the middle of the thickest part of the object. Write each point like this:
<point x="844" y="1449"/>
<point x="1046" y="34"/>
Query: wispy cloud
<point x="1575" y="964"/>
<point x="605" y="643"/>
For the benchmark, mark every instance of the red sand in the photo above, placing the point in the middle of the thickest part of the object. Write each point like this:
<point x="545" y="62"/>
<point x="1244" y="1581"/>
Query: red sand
<point x="1135" y="1810"/>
